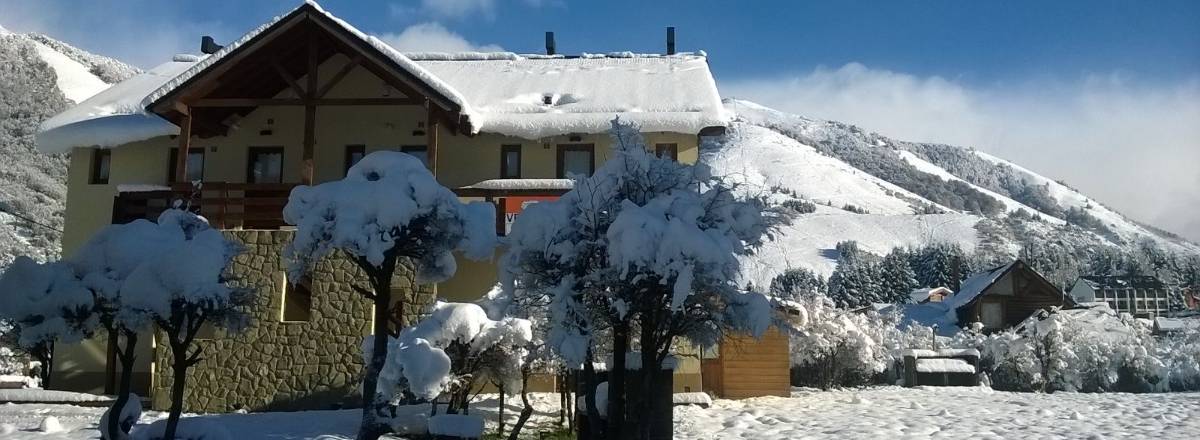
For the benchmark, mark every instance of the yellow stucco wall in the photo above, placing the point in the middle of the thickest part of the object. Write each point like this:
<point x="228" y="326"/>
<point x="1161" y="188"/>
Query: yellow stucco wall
<point x="462" y="160"/>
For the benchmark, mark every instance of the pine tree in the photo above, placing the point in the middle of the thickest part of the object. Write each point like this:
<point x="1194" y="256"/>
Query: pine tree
<point x="795" y="283"/>
<point x="857" y="280"/>
<point x="940" y="265"/>
<point x="897" y="278"/>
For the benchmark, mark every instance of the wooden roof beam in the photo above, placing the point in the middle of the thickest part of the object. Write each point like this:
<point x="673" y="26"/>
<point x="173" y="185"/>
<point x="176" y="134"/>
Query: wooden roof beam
<point x="300" y="92"/>
<point x="341" y="74"/>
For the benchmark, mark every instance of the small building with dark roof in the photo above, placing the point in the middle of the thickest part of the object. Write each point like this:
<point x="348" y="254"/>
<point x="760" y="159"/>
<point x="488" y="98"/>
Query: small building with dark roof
<point x="999" y="298"/>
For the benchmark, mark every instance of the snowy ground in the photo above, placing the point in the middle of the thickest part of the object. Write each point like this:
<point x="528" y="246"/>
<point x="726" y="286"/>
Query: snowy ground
<point x="885" y="412"/>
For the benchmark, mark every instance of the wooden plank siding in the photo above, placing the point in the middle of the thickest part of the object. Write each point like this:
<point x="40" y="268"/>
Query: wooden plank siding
<point x="750" y="367"/>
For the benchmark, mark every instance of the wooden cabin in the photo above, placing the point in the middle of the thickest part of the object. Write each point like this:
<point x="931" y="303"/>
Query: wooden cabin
<point x="1004" y="296"/>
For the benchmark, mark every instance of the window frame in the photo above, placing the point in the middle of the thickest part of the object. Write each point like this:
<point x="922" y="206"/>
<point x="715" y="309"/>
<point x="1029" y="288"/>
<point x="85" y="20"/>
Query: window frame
<point x="99" y="156"/>
<point x="173" y="161"/>
<point x="671" y="147"/>
<point x="505" y="172"/>
<point x="251" y="152"/>
<point x="348" y="153"/>
<point x="559" y="162"/>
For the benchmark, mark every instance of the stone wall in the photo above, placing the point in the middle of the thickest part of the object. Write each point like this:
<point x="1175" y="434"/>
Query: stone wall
<point x="276" y="365"/>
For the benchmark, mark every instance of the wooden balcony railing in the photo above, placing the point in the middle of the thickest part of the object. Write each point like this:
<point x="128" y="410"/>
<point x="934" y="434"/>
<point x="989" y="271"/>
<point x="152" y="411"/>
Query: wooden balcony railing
<point x="225" y="205"/>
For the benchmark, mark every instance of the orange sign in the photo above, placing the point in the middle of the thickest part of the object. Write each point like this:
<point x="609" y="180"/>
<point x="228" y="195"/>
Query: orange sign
<point x="512" y="206"/>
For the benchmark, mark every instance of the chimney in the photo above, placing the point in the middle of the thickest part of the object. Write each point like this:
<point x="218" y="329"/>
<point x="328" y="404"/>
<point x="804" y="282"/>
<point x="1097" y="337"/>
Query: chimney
<point x="208" y="46"/>
<point x="550" y="43"/>
<point x="670" y="40"/>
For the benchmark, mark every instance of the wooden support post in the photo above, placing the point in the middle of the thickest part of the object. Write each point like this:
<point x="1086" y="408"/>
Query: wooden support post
<point x="431" y="130"/>
<point x="310" y="113"/>
<point x="185" y="142"/>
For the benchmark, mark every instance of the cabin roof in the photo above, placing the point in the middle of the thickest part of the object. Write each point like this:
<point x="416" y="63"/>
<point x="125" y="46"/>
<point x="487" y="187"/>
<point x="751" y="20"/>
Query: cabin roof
<point x="526" y="96"/>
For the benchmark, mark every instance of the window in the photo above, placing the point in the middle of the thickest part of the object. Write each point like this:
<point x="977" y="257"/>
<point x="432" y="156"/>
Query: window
<point x="510" y="162"/>
<point x="417" y="151"/>
<point x="992" y="315"/>
<point x="101" y="162"/>
<point x="195" y="164"/>
<point x="297" y="301"/>
<point x="265" y="165"/>
<point x="354" y="153"/>
<point x="667" y="151"/>
<point x="575" y="160"/>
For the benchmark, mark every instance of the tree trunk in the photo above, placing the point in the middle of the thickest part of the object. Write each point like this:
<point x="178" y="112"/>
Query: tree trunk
<point x="500" y="412"/>
<point x="179" y="365"/>
<point x="563" y="393"/>
<point x="649" y="352"/>
<point x="126" y="358"/>
<point x="589" y="397"/>
<point x="526" y="411"/>
<point x="381" y="282"/>
<point x="616" y="380"/>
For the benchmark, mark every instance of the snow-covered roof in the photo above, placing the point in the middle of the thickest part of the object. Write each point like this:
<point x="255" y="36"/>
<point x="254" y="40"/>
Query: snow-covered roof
<point x="502" y="93"/>
<point x="536" y="97"/>
<point x="1164" y="324"/>
<point x="522" y="184"/>
<point x="975" y="285"/>
<point x="114" y="116"/>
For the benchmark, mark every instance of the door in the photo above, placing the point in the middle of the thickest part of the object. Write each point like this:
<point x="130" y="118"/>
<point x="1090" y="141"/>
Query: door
<point x="991" y="314"/>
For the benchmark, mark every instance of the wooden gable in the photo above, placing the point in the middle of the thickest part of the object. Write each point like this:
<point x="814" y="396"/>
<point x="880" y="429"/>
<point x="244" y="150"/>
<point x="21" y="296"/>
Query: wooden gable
<point x="280" y="59"/>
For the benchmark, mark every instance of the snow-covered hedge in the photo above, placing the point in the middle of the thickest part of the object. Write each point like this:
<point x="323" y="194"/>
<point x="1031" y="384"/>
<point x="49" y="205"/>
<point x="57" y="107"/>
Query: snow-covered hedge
<point x="1086" y="350"/>
<point x="834" y="347"/>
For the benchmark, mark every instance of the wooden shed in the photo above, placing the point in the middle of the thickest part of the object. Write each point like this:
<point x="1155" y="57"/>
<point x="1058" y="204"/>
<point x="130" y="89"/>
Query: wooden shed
<point x="742" y="366"/>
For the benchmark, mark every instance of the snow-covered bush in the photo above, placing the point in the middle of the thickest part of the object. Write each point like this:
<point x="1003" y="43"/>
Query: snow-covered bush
<point x="831" y="347"/>
<point x="388" y="207"/>
<point x="1089" y="350"/>
<point x="130" y="413"/>
<point x="454" y="349"/>
<point x="1181" y="354"/>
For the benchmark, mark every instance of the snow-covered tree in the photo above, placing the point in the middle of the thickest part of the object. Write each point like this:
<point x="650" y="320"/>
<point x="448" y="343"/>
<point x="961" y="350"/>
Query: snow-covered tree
<point x="940" y="265"/>
<point x="897" y="279"/>
<point x="44" y="303"/>
<point x="185" y="287"/>
<point x="797" y="282"/>
<point x="645" y="246"/>
<point x="388" y="207"/>
<point x="857" y="280"/>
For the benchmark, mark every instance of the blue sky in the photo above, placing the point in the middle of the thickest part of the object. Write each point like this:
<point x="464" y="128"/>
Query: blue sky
<point x="1103" y="94"/>
<point x="972" y="41"/>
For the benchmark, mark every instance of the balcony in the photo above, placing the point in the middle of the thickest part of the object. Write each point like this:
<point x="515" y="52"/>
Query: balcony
<point x="225" y="205"/>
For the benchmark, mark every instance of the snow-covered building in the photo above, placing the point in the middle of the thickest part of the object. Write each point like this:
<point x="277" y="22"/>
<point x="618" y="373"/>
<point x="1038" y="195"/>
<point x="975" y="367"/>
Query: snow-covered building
<point x="1142" y="296"/>
<point x="298" y="100"/>
<point x="998" y="298"/>
<point x="930" y="294"/>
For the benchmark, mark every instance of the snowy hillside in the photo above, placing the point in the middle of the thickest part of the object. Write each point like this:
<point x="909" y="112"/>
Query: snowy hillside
<point x="912" y="194"/>
<point x="41" y="77"/>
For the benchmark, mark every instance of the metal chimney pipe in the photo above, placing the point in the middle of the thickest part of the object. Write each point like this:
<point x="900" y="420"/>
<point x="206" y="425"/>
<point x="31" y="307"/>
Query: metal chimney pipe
<point x="208" y="45"/>
<point x="550" y="43"/>
<point x="670" y="40"/>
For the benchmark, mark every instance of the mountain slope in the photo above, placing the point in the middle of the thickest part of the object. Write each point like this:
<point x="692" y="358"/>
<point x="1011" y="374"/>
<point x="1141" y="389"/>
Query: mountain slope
<point x="40" y="77"/>
<point x="913" y="194"/>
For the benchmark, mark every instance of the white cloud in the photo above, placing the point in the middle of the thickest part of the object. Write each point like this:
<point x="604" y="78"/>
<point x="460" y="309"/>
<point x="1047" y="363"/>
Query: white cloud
<point x="458" y="9"/>
<point x="433" y="37"/>
<point x="1134" y="146"/>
